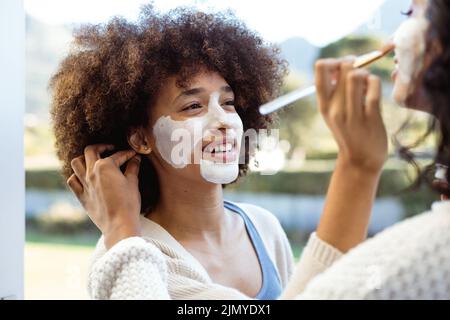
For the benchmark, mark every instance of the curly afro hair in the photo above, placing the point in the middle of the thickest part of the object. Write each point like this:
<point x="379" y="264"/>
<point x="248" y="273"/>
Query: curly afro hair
<point x="107" y="83"/>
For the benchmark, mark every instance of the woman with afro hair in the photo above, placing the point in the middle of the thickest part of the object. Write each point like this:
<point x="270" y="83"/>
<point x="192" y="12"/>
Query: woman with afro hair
<point x="150" y="120"/>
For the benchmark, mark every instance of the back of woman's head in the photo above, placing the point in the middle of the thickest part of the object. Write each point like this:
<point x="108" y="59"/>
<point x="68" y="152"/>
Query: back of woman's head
<point x="436" y="82"/>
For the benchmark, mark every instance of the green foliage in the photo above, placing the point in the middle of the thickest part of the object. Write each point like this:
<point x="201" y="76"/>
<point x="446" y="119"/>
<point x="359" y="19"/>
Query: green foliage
<point x="84" y="239"/>
<point x="392" y="182"/>
<point x="64" y="219"/>
<point x="352" y="45"/>
<point x="296" y="121"/>
<point x="358" y="45"/>
<point x="44" y="179"/>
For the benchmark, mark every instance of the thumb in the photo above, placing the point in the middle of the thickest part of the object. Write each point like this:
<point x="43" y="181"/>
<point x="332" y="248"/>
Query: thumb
<point x="133" y="165"/>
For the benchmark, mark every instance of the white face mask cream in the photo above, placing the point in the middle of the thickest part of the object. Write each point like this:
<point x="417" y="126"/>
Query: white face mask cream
<point x="410" y="47"/>
<point x="177" y="141"/>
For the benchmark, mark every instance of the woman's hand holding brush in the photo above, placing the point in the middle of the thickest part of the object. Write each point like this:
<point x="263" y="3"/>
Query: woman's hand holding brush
<point x="349" y="101"/>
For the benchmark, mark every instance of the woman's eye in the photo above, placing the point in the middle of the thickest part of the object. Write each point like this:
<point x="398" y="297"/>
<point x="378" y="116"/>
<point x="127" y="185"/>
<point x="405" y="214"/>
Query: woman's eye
<point x="230" y="103"/>
<point x="192" y="107"/>
<point x="407" y="13"/>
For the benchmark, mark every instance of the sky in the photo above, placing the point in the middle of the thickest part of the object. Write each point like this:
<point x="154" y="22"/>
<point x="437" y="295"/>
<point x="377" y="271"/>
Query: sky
<point x="318" y="21"/>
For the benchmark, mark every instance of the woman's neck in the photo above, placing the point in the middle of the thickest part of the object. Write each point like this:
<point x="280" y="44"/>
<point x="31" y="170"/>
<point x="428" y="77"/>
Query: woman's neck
<point x="190" y="210"/>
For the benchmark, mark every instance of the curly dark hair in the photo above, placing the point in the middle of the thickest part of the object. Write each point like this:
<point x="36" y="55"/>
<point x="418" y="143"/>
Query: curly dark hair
<point x="113" y="74"/>
<point x="436" y="84"/>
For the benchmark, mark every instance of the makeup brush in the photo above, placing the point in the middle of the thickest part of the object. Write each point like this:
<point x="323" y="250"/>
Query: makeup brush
<point x="360" y="62"/>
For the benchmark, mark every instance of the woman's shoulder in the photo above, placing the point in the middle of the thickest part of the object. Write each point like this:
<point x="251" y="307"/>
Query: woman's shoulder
<point x="273" y="237"/>
<point x="258" y="214"/>
<point x="266" y="223"/>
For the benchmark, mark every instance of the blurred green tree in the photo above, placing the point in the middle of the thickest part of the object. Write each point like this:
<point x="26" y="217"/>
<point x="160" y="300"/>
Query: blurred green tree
<point x="358" y="45"/>
<point x="296" y="120"/>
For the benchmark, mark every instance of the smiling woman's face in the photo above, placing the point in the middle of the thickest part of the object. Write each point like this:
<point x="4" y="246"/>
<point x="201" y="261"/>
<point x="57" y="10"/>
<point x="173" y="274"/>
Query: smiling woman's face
<point x="411" y="58"/>
<point x="196" y="131"/>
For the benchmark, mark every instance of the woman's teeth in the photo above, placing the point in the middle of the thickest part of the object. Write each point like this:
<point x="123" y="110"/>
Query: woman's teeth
<point x="220" y="148"/>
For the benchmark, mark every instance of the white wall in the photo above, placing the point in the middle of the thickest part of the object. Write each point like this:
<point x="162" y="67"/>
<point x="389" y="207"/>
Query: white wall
<point x="12" y="106"/>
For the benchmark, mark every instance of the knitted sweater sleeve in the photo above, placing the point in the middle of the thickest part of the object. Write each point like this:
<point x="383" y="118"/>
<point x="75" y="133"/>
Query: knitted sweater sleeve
<point x="409" y="260"/>
<point x="317" y="256"/>
<point x="136" y="269"/>
<point x="131" y="269"/>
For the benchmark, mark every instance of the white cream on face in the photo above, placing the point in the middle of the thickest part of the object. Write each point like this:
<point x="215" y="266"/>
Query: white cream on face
<point x="410" y="47"/>
<point x="215" y="172"/>
<point x="171" y="136"/>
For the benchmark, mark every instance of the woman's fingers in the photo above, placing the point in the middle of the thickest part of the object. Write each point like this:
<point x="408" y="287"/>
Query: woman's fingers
<point x="346" y="66"/>
<point x="78" y="165"/>
<point x="325" y="76"/>
<point x="121" y="157"/>
<point x="373" y="97"/>
<point x="133" y="166"/>
<point x="356" y="88"/>
<point x="75" y="185"/>
<point x="92" y="153"/>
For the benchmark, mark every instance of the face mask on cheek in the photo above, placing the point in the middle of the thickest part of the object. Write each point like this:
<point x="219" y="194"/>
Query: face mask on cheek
<point x="410" y="46"/>
<point x="177" y="141"/>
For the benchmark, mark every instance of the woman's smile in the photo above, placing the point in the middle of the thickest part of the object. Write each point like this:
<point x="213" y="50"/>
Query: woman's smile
<point x="222" y="150"/>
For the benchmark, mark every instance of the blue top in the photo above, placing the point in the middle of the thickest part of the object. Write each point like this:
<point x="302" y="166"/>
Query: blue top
<point x="271" y="284"/>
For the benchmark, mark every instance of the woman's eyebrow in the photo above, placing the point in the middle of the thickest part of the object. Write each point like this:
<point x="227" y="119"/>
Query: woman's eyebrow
<point x="195" y="91"/>
<point x="226" y="89"/>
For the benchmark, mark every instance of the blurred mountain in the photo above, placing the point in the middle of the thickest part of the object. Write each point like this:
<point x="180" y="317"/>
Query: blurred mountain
<point x="300" y="54"/>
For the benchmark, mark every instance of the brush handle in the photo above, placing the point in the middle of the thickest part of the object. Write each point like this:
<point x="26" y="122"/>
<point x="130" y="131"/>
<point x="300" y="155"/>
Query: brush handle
<point x="298" y="94"/>
<point x="367" y="59"/>
<point x="286" y="99"/>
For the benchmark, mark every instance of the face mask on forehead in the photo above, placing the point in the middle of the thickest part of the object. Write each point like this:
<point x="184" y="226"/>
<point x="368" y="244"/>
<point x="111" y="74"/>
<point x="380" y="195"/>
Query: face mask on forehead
<point x="410" y="46"/>
<point x="179" y="141"/>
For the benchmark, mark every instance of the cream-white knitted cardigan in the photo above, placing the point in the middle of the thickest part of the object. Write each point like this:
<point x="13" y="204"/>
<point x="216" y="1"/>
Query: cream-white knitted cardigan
<point x="410" y="260"/>
<point x="116" y="273"/>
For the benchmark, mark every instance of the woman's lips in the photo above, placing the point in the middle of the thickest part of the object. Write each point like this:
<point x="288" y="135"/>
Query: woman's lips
<point x="394" y="74"/>
<point x="221" y="157"/>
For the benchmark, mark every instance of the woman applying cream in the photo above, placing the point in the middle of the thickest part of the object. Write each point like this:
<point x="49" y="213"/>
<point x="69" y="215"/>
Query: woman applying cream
<point x="133" y="86"/>
<point x="409" y="260"/>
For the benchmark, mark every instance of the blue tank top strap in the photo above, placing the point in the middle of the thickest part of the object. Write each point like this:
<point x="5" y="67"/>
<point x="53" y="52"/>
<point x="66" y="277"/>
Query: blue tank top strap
<point x="271" y="284"/>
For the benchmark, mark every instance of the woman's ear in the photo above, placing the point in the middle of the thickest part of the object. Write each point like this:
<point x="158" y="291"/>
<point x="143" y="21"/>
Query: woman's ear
<point x="436" y="48"/>
<point x="139" y="141"/>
